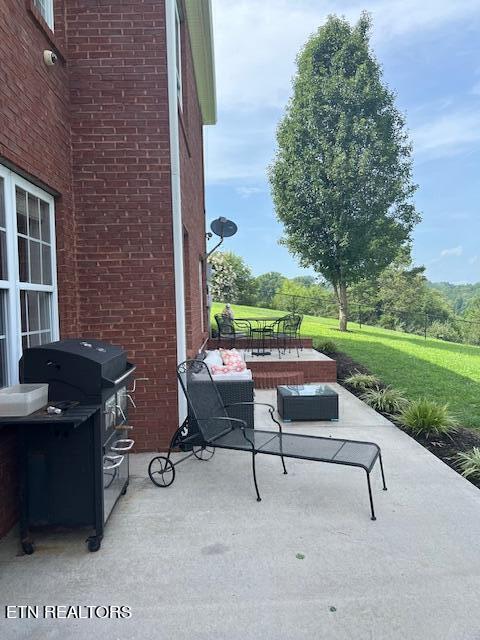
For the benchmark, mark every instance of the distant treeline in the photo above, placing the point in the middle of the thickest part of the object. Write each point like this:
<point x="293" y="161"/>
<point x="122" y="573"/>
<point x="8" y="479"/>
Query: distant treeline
<point x="401" y="298"/>
<point x="459" y="295"/>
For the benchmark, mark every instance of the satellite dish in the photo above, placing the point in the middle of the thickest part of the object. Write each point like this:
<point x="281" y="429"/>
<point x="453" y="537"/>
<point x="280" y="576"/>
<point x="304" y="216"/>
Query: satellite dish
<point x="223" y="228"/>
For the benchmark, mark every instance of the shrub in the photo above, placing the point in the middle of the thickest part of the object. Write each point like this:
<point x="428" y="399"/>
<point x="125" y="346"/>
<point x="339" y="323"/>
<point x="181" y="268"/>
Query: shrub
<point x="362" y="381"/>
<point x="444" y="331"/>
<point x="327" y="346"/>
<point x="469" y="463"/>
<point x="386" y="400"/>
<point x="427" y="418"/>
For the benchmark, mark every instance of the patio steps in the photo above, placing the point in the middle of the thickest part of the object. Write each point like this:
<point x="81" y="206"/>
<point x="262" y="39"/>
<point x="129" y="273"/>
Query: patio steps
<point x="314" y="366"/>
<point x="271" y="379"/>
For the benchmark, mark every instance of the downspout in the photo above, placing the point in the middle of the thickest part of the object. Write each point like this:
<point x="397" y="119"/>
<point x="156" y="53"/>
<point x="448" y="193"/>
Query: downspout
<point x="177" y="226"/>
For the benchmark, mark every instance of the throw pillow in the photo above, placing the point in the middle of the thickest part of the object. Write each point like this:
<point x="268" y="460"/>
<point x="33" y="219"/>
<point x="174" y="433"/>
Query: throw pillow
<point x="232" y="357"/>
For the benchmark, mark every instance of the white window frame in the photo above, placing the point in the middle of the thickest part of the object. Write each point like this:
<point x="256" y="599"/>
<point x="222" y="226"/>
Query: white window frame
<point x="178" y="54"/>
<point x="13" y="286"/>
<point x="45" y="8"/>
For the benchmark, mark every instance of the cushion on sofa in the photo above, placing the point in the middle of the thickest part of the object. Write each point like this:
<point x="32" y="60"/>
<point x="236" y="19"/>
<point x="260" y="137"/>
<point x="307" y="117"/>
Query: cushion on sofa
<point x="246" y="374"/>
<point x="213" y="357"/>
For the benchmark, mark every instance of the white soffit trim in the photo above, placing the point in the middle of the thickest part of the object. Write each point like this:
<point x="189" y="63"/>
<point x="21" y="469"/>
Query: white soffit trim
<point x="177" y="226"/>
<point x="199" y="21"/>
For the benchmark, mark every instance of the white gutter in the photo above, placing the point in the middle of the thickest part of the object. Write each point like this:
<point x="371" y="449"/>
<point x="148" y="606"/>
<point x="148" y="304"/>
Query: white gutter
<point x="199" y="21"/>
<point x="177" y="226"/>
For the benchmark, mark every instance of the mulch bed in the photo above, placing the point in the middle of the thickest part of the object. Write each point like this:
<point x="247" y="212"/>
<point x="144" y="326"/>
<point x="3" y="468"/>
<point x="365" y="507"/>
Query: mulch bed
<point x="445" y="447"/>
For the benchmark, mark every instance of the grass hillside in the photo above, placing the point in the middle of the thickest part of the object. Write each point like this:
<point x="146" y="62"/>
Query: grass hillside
<point x="442" y="371"/>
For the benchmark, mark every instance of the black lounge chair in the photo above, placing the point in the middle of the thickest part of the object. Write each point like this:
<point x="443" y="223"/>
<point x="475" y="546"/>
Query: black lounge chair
<point x="213" y="428"/>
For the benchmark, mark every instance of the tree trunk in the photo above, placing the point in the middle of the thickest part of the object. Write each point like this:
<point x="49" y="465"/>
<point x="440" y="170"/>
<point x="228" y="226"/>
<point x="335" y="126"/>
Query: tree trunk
<point x="341" y="291"/>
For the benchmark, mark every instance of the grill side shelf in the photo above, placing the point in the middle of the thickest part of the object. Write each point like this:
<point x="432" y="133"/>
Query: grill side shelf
<point x="74" y="416"/>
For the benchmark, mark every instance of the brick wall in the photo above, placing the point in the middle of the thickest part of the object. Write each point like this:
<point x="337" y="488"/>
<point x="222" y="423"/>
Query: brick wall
<point x="121" y="178"/>
<point x="38" y="143"/>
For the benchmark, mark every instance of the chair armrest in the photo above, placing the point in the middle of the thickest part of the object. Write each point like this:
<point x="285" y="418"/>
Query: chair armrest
<point x="262" y="404"/>
<point x="271" y="410"/>
<point x="242" y="325"/>
<point x="226" y="418"/>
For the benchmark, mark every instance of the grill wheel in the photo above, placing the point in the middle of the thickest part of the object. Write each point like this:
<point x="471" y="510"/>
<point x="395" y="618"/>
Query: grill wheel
<point x="94" y="543"/>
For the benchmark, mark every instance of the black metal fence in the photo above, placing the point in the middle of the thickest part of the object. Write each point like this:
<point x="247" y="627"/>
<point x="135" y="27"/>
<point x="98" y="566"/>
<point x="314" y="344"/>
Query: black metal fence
<point x="413" y="321"/>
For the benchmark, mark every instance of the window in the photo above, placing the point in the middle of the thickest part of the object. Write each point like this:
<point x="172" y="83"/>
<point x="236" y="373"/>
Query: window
<point x="45" y="7"/>
<point x="28" y="305"/>
<point x="178" y="54"/>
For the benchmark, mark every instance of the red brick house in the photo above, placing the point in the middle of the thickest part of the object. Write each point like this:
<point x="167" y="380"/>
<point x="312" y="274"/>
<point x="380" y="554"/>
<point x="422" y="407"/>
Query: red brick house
<point x="102" y="222"/>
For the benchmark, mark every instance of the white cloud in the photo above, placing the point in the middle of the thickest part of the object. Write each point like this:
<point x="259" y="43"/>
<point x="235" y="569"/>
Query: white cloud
<point x="256" y="44"/>
<point x="239" y="148"/>
<point x="247" y="192"/>
<point x="454" y="251"/>
<point x="448" y="134"/>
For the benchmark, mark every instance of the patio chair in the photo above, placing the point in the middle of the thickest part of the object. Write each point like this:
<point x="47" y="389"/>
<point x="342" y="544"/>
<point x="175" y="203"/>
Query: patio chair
<point x="230" y="329"/>
<point x="286" y="332"/>
<point x="212" y="428"/>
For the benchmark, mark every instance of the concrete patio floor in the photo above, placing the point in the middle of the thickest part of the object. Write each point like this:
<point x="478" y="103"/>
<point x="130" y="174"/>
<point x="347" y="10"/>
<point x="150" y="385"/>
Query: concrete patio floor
<point x="203" y="560"/>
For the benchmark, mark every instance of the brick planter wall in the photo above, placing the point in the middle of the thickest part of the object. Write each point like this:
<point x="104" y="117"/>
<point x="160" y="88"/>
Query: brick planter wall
<point x="313" y="370"/>
<point x="271" y="379"/>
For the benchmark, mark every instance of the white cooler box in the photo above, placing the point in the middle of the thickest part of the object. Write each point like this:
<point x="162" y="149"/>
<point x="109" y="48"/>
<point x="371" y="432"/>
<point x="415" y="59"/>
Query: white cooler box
<point x="22" y="399"/>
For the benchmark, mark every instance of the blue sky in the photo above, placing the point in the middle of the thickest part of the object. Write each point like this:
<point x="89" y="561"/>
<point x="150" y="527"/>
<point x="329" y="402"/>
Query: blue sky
<point x="430" y="51"/>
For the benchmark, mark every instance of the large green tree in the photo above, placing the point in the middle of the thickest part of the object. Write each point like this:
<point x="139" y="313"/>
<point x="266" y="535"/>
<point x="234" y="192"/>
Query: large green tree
<point x="312" y="299"/>
<point x="400" y="297"/>
<point x="341" y="179"/>
<point x="267" y="286"/>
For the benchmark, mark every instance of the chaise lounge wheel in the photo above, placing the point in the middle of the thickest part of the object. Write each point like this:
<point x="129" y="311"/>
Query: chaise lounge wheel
<point x="161" y="471"/>
<point x="203" y="453"/>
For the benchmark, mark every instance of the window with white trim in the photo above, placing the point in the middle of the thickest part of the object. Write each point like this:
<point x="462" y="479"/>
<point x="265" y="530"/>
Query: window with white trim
<point x="45" y="7"/>
<point x="28" y="298"/>
<point x="178" y="54"/>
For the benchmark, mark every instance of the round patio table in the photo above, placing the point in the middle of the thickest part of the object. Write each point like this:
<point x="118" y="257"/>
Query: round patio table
<point x="262" y="333"/>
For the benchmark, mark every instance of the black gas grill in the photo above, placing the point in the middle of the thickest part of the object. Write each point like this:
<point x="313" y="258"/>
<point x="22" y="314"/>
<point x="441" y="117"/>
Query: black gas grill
<point x="76" y="465"/>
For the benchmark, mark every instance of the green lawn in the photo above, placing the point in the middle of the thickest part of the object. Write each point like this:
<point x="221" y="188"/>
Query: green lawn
<point x="443" y="371"/>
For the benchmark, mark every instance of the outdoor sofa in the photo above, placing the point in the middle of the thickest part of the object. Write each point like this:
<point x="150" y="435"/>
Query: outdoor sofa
<point x="234" y="388"/>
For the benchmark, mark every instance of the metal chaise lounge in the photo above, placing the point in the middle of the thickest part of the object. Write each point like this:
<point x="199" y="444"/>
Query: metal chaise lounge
<point x="212" y="428"/>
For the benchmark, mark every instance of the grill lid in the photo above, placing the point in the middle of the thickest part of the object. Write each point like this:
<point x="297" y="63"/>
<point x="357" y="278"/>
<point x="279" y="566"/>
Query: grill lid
<point x="84" y="365"/>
